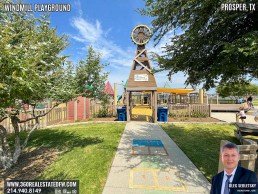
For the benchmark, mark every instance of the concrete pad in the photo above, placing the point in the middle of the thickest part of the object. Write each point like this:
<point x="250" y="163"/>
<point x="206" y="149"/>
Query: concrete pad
<point x="231" y="117"/>
<point x="141" y="191"/>
<point x="158" y="151"/>
<point x="141" y="178"/>
<point x="140" y="150"/>
<point x="119" y="177"/>
<point x="156" y="173"/>
<point x="127" y="161"/>
<point x="150" y="178"/>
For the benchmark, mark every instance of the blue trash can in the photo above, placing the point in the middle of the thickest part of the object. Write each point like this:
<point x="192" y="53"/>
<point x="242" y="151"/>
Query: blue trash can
<point x="162" y="114"/>
<point x="121" y="114"/>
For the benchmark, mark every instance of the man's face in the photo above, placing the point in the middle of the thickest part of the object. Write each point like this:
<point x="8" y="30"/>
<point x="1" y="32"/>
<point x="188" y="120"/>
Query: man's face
<point x="230" y="158"/>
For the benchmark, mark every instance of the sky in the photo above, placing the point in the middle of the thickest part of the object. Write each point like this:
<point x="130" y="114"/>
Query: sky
<point x="107" y="25"/>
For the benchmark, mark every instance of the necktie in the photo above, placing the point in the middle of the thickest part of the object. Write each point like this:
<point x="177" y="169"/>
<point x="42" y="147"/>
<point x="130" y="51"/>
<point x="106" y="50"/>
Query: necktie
<point x="226" y="189"/>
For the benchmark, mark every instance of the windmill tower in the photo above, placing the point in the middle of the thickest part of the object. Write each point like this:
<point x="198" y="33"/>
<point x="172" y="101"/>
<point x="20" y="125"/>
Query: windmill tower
<point x="141" y="78"/>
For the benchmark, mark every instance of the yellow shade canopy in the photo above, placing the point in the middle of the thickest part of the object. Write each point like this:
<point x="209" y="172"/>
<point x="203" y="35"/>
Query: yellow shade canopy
<point x="175" y="90"/>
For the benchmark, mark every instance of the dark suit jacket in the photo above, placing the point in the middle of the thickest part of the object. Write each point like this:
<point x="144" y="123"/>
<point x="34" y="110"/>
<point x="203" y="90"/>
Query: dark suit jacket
<point x="242" y="175"/>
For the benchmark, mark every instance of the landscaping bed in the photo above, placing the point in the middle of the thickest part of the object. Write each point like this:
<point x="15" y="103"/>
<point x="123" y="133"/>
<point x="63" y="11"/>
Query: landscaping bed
<point x="192" y="119"/>
<point x="103" y="119"/>
<point x="170" y="119"/>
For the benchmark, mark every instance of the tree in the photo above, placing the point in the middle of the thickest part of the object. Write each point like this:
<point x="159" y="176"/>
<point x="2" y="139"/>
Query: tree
<point x="89" y="78"/>
<point x="91" y="81"/>
<point x="33" y="70"/>
<point x="215" y="46"/>
<point x="237" y="90"/>
<point x="105" y="101"/>
<point x="31" y="66"/>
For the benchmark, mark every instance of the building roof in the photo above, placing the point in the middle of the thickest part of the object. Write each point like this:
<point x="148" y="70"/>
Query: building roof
<point x="108" y="89"/>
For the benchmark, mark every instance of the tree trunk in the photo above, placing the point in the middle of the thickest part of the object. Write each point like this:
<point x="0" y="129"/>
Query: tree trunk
<point x="6" y="160"/>
<point x="17" y="145"/>
<point x="30" y="132"/>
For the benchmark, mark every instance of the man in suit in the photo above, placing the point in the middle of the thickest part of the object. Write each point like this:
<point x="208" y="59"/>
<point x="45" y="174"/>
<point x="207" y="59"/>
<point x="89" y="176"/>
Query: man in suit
<point x="232" y="172"/>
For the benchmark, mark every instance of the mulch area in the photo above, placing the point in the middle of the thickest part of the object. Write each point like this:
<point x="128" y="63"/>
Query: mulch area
<point x="187" y="119"/>
<point x="170" y="119"/>
<point x="104" y="119"/>
<point x="90" y="119"/>
<point x="178" y="119"/>
<point x="31" y="164"/>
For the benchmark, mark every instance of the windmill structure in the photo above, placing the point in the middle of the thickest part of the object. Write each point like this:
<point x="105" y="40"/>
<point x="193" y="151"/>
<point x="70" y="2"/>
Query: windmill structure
<point x="141" y="81"/>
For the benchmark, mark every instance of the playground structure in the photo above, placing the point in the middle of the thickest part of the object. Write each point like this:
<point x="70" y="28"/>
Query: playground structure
<point x="167" y="96"/>
<point x="142" y="98"/>
<point x="141" y="94"/>
<point x="141" y="87"/>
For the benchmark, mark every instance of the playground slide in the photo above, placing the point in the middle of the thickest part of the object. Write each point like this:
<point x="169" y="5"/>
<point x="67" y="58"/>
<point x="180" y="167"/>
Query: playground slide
<point x="119" y="97"/>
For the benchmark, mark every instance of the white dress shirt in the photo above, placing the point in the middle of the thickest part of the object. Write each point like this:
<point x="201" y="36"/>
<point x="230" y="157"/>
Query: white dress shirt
<point x="225" y="179"/>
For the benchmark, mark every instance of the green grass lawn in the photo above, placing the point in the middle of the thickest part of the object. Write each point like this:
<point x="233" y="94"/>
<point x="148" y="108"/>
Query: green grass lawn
<point x="87" y="150"/>
<point x="201" y="143"/>
<point x="255" y="102"/>
<point x="87" y="153"/>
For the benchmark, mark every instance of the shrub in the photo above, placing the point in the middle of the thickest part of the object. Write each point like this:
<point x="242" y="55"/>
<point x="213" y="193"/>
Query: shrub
<point x="178" y="113"/>
<point x="103" y="112"/>
<point x="198" y="114"/>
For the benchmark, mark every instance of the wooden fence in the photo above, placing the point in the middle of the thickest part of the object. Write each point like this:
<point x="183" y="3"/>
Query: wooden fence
<point x="57" y="115"/>
<point x="177" y="110"/>
<point x="189" y="110"/>
<point x="96" y="109"/>
<point x="227" y="107"/>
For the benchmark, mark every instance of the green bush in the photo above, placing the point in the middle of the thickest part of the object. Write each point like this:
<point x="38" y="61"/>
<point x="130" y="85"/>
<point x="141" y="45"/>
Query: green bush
<point x="198" y="114"/>
<point x="184" y="113"/>
<point x="172" y="114"/>
<point x="103" y="113"/>
<point x="179" y="113"/>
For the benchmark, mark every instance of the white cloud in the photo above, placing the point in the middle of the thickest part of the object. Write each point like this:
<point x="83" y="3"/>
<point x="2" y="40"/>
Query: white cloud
<point x="93" y="34"/>
<point x="88" y="32"/>
<point x="107" y="32"/>
<point x="122" y="62"/>
<point x="79" y="39"/>
<point x="119" y="59"/>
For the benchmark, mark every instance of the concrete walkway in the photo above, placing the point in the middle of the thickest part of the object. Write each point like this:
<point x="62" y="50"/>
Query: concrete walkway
<point x="231" y="117"/>
<point x="155" y="170"/>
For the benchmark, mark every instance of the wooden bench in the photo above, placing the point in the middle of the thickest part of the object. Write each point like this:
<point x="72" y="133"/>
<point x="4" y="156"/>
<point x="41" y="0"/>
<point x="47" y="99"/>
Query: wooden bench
<point x="248" y="156"/>
<point x="246" y="131"/>
<point x="227" y="107"/>
<point x="247" y="135"/>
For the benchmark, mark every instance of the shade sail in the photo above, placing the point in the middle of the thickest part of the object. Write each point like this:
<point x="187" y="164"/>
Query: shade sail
<point x="174" y="90"/>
